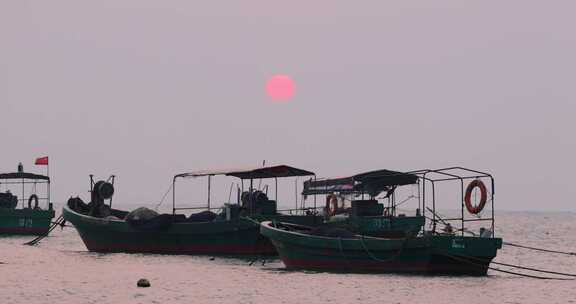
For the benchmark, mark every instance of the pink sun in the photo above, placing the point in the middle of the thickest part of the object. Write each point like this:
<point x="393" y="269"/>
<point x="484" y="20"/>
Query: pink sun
<point x="280" y="88"/>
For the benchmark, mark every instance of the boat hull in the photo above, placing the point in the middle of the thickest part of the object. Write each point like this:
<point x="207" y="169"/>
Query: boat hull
<point x="427" y="255"/>
<point x="25" y="221"/>
<point x="234" y="237"/>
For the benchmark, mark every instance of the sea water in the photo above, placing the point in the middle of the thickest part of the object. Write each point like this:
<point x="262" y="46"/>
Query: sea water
<point x="60" y="270"/>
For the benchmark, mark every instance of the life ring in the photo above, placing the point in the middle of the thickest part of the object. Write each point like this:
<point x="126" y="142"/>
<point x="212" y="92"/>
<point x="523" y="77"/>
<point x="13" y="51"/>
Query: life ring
<point x="34" y="198"/>
<point x="331" y="204"/>
<point x="483" y="196"/>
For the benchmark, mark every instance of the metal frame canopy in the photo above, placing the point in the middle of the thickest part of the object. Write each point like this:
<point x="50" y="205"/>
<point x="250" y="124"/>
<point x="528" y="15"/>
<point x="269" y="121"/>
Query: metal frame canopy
<point x="249" y="173"/>
<point x="23" y="175"/>
<point x="372" y="181"/>
<point x="459" y="175"/>
<point x="24" y="178"/>
<point x="252" y="172"/>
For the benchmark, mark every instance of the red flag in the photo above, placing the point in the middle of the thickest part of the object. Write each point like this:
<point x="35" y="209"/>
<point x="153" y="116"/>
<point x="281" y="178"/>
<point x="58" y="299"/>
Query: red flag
<point x="42" y="161"/>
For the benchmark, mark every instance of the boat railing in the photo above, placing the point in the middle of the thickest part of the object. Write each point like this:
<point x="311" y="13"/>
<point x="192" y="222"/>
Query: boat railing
<point x="459" y="175"/>
<point x="428" y="183"/>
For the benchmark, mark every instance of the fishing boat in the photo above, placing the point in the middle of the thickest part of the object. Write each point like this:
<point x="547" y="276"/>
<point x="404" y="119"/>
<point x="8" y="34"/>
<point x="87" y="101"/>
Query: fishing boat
<point x="231" y="229"/>
<point x="445" y="245"/>
<point x="24" y="215"/>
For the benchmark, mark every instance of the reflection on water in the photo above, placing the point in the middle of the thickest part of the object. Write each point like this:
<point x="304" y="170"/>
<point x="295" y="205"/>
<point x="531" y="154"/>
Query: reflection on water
<point x="59" y="270"/>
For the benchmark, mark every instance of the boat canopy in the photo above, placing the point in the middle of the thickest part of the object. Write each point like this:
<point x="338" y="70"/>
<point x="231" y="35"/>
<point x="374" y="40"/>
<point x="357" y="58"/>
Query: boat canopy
<point x="372" y="182"/>
<point x="23" y="175"/>
<point x="252" y="172"/>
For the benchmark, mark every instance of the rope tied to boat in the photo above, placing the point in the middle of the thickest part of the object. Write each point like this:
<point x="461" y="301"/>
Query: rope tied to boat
<point x="60" y="221"/>
<point x="441" y="221"/>
<point x="342" y="253"/>
<point x="250" y="219"/>
<point x="524" y="267"/>
<point x="164" y="197"/>
<point x="259" y="257"/>
<point x="466" y="259"/>
<point x="539" y="249"/>
<point x="392" y="258"/>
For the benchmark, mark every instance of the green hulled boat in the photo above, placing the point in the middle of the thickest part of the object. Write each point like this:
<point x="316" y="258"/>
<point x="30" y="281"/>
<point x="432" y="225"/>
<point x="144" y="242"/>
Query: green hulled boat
<point x="232" y="229"/>
<point x="454" y="249"/>
<point x="24" y="215"/>
<point x="300" y="248"/>
<point x="167" y="234"/>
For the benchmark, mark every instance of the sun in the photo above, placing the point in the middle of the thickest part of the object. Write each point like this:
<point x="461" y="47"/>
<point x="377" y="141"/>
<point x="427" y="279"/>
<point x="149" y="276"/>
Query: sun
<point x="280" y="88"/>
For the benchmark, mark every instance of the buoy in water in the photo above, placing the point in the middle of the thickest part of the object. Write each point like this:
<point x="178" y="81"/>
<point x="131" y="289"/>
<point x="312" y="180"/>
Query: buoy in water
<point x="143" y="283"/>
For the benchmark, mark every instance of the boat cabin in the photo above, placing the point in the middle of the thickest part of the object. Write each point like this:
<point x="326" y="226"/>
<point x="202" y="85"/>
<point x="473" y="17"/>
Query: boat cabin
<point x="25" y="206"/>
<point x="367" y="202"/>
<point x="28" y="186"/>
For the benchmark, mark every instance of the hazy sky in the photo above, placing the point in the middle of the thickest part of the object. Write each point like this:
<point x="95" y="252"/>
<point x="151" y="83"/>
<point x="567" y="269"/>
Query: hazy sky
<point x="147" y="89"/>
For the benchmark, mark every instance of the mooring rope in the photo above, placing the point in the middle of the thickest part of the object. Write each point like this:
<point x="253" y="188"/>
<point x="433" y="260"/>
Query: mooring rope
<point x="254" y="245"/>
<point x="343" y="254"/>
<point x="59" y="222"/>
<point x="535" y="269"/>
<point x="462" y="259"/>
<point x="250" y="219"/>
<point x="372" y="256"/>
<point x="525" y="268"/>
<point x="164" y="197"/>
<point x="528" y="275"/>
<point x="259" y="256"/>
<point x="539" y="249"/>
<point x="518" y="266"/>
<point x="405" y="200"/>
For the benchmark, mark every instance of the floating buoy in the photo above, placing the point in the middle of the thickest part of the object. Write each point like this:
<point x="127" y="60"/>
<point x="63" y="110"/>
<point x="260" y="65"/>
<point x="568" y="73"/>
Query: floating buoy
<point x="143" y="283"/>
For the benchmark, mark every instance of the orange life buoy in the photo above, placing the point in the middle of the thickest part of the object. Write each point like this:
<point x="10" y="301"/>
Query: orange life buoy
<point x="483" y="196"/>
<point x="331" y="204"/>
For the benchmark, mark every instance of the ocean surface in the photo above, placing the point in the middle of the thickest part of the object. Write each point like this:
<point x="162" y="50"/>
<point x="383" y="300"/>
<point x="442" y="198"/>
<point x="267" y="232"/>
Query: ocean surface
<point x="60" y="270"/>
